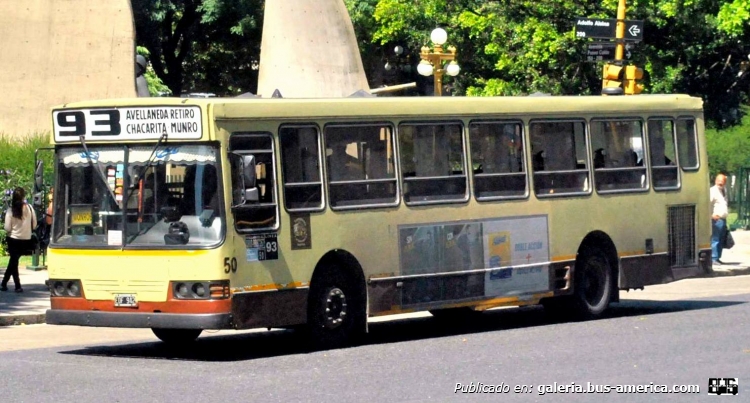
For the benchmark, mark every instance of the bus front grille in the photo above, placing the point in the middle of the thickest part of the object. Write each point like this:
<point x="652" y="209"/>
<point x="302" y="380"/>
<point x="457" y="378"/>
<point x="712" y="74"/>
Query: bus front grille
<point x="125" y="286"/>
<point x="682" y="235"/>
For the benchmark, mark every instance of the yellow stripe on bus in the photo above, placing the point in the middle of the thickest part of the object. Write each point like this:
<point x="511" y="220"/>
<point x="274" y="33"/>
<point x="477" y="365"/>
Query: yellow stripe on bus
<point x="120" y="252"/>
<point x="270" y="287"/>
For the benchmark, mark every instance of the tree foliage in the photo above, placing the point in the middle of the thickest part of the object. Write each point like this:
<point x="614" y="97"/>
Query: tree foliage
<point x="201" y="45"/>
<point x="505" y="47"/>
<point x="729" y="149"/>
<point x="515" y="47"/>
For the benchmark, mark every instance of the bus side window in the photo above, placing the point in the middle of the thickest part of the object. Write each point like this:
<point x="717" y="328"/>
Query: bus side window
<point x="262" y="213"/>
<point x="359" y="165"/>
<point x="497" y="160"/>
<point x="300" y="158"/>
<point x="618" y="155"/>
<point x="432" y="162"/>
<point x="559" y="156"/>
<point x="664" y="170"/>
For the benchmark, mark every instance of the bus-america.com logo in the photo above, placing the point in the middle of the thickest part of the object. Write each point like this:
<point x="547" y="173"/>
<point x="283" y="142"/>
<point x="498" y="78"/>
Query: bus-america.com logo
<point x="723" y="386"/>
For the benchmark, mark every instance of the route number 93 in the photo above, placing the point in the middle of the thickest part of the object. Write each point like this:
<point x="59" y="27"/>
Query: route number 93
<point x="73" y="123"/>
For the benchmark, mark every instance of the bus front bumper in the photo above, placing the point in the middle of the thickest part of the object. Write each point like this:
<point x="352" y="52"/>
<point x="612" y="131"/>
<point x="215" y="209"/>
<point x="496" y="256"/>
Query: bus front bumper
<point x="139" y="320"/>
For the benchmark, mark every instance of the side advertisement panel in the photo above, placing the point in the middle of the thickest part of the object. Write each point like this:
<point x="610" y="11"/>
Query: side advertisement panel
<point x="501" y="257"/>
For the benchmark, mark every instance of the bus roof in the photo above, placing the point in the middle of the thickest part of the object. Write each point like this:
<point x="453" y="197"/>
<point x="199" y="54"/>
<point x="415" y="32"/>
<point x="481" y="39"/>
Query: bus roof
<point x="412" y="107"/>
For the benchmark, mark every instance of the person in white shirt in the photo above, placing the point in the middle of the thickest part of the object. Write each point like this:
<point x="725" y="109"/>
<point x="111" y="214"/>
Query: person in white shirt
<point x="20" y="220"/>
<point x="719" y="213"/>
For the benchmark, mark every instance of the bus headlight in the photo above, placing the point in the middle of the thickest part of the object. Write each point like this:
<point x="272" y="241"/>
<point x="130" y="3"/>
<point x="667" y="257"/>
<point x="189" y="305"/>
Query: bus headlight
<point x="65" y="288"/>
<point x="201" y="289"/>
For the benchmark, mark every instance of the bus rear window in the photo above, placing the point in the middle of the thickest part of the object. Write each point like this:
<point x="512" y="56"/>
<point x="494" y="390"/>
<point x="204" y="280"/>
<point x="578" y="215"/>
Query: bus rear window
<point x="687" y="144"/>
<point x="664" y="171"/>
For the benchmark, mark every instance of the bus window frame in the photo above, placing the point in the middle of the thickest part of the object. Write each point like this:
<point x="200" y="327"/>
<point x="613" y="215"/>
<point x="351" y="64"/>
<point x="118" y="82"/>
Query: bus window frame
<point x="697" y="167"/>
<point x="321" y="172"/>
<point x="274" y="164"/>
<point x="676" y="156"/>
<point x="589" y="162"/>
<point x="525" y="172"/>
<point x="645" y="167"/>
<point x="465" y="159"/>
<point x="327" y="182"/>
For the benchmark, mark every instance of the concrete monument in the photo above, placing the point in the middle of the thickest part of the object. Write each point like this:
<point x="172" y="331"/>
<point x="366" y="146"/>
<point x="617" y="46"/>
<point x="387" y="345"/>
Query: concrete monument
<point x="57" y="51"/>
<point x="309" y="50"/>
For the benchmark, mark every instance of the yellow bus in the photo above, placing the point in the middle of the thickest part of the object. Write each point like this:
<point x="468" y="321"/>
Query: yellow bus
<point x="187" y="214"/>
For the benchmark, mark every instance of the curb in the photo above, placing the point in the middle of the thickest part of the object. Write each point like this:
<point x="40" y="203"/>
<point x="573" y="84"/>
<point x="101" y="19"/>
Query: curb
<point x="36" y="268"/>
<point x="29" y="319"/>
<point x="727" y="273"/>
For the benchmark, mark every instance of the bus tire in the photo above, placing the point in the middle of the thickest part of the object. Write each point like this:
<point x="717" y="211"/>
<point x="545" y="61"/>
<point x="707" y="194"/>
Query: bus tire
<point x="336" y="313"/>
<point x="177" y="336"/>
<point x="593" y="284"/>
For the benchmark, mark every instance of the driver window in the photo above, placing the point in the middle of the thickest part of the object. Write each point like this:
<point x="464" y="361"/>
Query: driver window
<point x="263" y="213"/>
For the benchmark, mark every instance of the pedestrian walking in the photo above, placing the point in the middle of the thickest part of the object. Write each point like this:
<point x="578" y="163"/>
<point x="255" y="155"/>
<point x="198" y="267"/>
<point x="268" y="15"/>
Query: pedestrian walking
<point x="719" y="213"/>
<point x="20" y="221"/>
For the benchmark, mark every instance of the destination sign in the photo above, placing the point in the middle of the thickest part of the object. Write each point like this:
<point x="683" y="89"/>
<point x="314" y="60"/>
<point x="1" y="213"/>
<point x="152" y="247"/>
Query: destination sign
<point x="605" y="51"/>
<point x="607" y="28"/>
<point x="601" y="51"/>
<point x="123" y="124"/>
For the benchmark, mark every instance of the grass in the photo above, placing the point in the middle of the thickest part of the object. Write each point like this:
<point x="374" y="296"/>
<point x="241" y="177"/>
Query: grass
<point x="25" y="261"/>
<point x="731" y="218"/>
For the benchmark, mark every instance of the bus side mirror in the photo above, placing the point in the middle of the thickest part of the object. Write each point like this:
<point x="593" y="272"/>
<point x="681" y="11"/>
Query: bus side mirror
<point x="246" y="190"/>
<point x="248" y="171"/>
<point x="39" y="175"/>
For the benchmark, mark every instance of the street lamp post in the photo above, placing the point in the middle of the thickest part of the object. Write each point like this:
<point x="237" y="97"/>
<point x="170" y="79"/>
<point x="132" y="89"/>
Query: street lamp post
<point x="432" y="61"/>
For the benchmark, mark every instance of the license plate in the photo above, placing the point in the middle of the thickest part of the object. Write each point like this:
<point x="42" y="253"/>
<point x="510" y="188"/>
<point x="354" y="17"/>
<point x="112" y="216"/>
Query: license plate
<point x="125" y="300"/>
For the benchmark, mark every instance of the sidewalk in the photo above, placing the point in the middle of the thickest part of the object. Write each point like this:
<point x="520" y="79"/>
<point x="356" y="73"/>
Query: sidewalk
<point x="30" y="306"/>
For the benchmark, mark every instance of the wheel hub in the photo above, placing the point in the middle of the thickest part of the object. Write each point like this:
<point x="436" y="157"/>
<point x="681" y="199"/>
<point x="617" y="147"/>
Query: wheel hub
<point x="335" y="304"/>
<point x="594" y="282"/>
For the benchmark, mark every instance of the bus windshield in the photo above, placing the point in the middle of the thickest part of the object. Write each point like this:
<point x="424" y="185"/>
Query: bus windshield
<point x="138" y="196"/>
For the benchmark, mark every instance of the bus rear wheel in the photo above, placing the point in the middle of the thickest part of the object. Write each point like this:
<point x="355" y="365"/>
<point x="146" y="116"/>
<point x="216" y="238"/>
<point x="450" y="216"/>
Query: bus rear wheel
<point x="336" y="311"/>
<point x="592" y="289"/>
<point x="593" y="284"/>
<point x="177" y="336"/>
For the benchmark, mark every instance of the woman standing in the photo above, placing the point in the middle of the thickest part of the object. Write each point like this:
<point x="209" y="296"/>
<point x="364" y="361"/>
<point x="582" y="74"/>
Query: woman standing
<point x="19" y="222"/>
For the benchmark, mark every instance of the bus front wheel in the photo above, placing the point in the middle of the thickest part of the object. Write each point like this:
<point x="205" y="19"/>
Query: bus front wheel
<point x="336" y="311"/>
<point x="177" y="336"/>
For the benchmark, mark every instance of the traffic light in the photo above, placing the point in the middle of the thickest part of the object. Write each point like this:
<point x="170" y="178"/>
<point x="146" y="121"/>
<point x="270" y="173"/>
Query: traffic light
<point x="632" y="75"/>
<point x="612" y="79"/>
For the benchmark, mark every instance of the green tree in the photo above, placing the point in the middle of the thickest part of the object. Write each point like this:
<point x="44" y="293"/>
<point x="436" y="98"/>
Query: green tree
<point x="698" y="48"/>
<point x="201" y="45"/>
<point x="729" y="149"/>
<point x="155" y="86"/>
<point x="515" y="47"/>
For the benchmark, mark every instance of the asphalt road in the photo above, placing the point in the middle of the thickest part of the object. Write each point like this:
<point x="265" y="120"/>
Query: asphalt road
<point x="417" y="358"/>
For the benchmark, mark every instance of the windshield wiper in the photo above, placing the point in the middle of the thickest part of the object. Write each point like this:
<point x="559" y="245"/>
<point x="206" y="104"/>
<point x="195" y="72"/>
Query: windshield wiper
<point x="98" y="168"/>
<point x="162" y="140"/>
